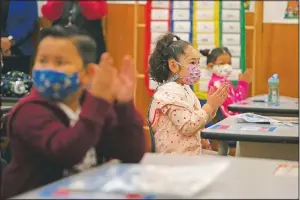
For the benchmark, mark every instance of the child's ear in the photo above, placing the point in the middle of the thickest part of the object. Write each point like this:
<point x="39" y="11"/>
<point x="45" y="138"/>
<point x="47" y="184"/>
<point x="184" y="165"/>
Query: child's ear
<point x="210" y="65"/>
<point x="89" y="72"/>
<point x="173" y="66"/>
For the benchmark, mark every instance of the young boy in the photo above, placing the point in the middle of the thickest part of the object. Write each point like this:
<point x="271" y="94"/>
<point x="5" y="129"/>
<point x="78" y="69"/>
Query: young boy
<point x="61" y="126"/>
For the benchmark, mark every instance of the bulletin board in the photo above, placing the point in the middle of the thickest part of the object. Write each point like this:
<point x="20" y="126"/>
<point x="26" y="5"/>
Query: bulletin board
<point x="206" y="36"/>
<point x="219" y="23"/>
<point x="206" y="24"/>
<point x="162" y="17"/>
<point x="158" y="22"/>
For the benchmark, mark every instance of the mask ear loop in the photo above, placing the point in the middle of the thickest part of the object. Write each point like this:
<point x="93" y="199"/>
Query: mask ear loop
<point x="175" y="77"/>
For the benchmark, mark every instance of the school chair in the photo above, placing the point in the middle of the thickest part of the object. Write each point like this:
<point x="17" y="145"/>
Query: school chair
<point x="3" y="162"/>
<point x="150" y="138"/>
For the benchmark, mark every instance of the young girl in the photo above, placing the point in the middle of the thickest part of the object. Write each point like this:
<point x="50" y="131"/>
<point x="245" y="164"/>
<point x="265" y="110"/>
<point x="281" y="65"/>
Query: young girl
<point x="219" y="61"/>
<point x="175" y="114"/>
<point x="60" y="127"/>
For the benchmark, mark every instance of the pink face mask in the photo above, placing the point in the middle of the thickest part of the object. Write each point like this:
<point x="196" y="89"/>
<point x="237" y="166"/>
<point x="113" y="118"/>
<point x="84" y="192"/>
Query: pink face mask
<point x="193" y="76"/>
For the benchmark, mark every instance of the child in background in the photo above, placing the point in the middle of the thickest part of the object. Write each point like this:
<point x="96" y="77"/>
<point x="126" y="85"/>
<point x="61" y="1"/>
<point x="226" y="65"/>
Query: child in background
<point x="219" y="61"/>
<point x="60" y="127"/>
<point x="175" y="114"/>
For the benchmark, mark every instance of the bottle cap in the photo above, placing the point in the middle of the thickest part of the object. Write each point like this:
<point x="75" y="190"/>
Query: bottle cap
<point x="274" y="79"/>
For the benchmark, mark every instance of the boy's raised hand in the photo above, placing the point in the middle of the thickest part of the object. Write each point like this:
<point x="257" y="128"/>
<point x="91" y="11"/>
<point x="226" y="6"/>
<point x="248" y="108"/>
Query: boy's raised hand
<point x="102" y="85"/>
<point x="110" y="85"/>
<point x="126" y="82"/>
<point x="246" y="76"/>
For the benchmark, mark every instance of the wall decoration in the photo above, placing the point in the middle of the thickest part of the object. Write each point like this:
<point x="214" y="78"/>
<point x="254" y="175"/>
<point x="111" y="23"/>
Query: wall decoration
<point x="228" y="20"/>
<point x="292" y="10"/>
<point x="158" y="19"/>
<point x="206" y="24"/>
<point x="249" y="6"/>
<point x="206" y="36"/>
<point x="163" y="17"/>
<point x="281" y="12"/>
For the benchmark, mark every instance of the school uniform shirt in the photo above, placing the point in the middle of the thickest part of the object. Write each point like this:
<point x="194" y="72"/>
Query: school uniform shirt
<point x="44" y="142"/>
<point x="177" y="118"/>
<point x="89" y="159"/>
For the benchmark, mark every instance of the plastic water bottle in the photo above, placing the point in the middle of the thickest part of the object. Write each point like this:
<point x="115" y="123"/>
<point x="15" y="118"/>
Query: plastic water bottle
<point x="273" y="95"/>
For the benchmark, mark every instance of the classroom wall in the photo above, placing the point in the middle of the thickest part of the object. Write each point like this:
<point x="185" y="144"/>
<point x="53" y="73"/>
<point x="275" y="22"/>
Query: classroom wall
<point x="279" y="55"/>
<point x="277" y="52"/>
<point x="120" y="40"/>
<point x="275" y="49"/>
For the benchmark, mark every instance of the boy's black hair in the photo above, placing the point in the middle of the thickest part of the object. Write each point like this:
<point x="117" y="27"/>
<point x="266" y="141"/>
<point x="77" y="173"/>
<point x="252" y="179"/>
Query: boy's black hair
<point x="85" y="45"/>
<point x="168" y="46"/>
<point x="214" y="54"/>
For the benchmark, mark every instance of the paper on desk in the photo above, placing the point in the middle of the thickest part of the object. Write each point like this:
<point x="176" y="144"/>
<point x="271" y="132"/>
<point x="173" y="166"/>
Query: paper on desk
<point x="254" y="118"/>
<point x="164" y="181"/>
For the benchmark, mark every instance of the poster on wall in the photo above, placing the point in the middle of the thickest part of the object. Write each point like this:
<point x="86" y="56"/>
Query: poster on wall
<point x="281" y="12"/>
<point x="292" y="10"/>
<point x="219" y="23"/>
<point x="249" y="6"/>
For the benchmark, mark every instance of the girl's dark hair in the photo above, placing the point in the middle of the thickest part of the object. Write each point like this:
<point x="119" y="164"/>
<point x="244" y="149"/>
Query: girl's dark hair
<point x="168" y="46"/>
<point x="214" y="54"/>
<point x="85" y="45"/>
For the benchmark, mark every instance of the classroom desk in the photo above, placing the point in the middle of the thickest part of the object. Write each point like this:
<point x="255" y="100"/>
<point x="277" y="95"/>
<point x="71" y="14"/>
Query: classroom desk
<point x="288" y="107"/>
<point x="244" y="178"/>
<point x="276" y="142"/>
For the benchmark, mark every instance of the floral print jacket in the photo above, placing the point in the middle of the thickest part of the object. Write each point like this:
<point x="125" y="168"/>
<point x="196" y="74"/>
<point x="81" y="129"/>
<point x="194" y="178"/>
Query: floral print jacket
<point x="176" y="118"/>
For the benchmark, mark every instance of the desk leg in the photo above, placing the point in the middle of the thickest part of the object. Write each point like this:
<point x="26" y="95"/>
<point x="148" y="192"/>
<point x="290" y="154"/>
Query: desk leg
<point x="223" y="148"/>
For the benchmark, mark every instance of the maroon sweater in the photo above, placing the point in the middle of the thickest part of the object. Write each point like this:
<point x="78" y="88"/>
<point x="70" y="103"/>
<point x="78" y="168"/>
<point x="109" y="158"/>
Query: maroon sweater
<point x="43" y="144"/>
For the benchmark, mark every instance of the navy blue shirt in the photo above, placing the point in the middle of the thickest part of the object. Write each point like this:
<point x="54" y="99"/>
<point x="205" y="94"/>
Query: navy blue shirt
<point x="22" y="19"/>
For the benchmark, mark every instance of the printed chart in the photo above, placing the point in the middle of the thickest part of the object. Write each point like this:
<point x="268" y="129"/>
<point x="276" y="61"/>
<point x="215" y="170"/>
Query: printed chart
<point x="206" y="24"/>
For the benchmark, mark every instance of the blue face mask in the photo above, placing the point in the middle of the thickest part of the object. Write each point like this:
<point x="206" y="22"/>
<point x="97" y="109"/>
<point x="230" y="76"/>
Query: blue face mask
<point x="55" y="85"/>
